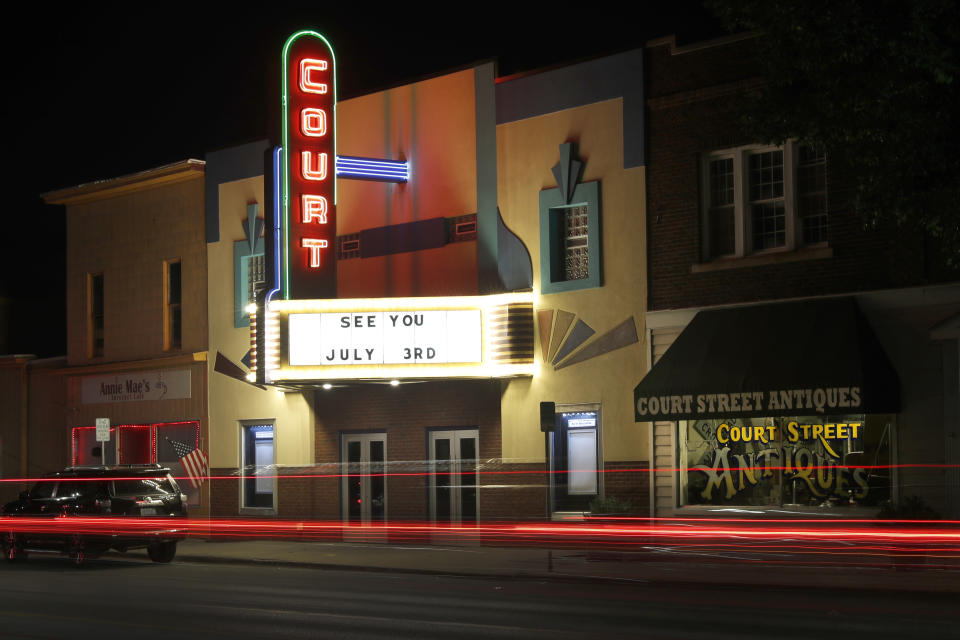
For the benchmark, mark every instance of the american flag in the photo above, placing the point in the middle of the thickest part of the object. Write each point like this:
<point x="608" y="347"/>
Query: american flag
<point x="194" y="461"/>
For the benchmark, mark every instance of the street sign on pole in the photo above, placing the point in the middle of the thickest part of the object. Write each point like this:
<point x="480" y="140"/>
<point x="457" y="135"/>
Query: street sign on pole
<point x="103" y="429"/>
<point x="103" y="436"/>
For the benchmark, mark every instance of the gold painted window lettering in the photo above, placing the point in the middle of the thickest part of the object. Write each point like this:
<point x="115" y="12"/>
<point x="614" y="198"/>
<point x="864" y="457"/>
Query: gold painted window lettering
<point x="795" y="462"/>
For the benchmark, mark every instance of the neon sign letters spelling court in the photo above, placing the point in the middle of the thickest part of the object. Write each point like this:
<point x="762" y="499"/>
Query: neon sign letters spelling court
<point x="309" y="155"/>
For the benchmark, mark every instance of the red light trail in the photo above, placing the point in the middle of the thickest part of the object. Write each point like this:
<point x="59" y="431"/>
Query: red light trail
<point x="805" y="541"/>
<point x="498" y="472"/>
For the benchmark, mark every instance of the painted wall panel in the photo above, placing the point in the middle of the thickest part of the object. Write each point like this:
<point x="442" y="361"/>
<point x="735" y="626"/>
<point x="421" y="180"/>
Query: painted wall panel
<point x="526" y="151"/>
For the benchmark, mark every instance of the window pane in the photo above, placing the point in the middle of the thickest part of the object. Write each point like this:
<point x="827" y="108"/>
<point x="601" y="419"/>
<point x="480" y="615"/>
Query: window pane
<point x="468" y="479"/>
<point x="769" y="226"/>
<point x="766" y="175"/>
<point x="175" y="327"/>
<point x="442" y="480"/>
<point x="378" y="493"/>
<point x="134" y="488"/>
<point x="721" y="182"/>
<point x="722" y="232"/>
<point x="173" y="283"/>
<point x="576" y="263"/>
<point x="255" y="276"/>
<point x="787" y="461"/>
<point x="582" y="461"/>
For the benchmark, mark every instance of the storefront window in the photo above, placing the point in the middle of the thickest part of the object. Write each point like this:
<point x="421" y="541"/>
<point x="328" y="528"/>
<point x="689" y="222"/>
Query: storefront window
<point x="835" y="461"/>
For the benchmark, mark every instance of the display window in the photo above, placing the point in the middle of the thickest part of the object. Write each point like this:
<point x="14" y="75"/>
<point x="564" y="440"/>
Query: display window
<point x="797" y="461"/>
<point x="140" y="444"/>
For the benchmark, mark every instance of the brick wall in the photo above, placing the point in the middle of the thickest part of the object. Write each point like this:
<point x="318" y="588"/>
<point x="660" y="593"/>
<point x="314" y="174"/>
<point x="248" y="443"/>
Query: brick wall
<point x="224" y="494"/>
<point x="405" y="414"/>
<point x="692" y="109"/>
<point x="508" y="491"/>
<point x="629" y="481"/>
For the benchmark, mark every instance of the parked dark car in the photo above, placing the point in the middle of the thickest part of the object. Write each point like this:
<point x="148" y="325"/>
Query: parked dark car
<point x="102" y="501"/>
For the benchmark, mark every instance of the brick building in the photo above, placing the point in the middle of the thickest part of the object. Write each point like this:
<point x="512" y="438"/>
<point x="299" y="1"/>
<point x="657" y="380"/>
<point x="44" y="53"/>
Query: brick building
<point x="136" y="324"/>
<point x="764" y="280"/>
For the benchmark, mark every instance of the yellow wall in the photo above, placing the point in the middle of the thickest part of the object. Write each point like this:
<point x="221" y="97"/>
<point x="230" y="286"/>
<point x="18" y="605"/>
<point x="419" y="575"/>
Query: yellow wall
<point x="231" y="400"/>
<point x="127" y="238"/>
<point x="526" y="151"/>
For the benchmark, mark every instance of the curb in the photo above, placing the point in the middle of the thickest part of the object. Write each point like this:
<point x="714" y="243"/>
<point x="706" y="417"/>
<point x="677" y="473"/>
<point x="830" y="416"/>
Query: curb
<point x="569" y="577"/>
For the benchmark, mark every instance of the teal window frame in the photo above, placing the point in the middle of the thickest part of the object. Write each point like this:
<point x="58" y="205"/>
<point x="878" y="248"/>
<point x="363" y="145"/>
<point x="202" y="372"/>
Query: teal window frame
<point x="243" y="251"/>
<point x="552" y="207"/>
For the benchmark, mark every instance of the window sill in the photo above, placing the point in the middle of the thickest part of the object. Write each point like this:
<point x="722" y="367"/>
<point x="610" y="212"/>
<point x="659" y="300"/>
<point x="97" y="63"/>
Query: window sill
<point x="763" y="259"/>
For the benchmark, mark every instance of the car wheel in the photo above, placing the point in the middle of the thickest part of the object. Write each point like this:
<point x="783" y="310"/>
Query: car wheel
<point x="162" y="551"/>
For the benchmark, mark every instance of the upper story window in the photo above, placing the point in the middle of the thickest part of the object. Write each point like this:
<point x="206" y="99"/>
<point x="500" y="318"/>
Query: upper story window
<point x="576" y="248"/>
<point x="760" y="199"/>
<point x="95" y="310"/>
<point x="249" y="267"/>
<point x="173" y="329"/>
<point x="255" y="276"/>
<point x="570" y="251"/>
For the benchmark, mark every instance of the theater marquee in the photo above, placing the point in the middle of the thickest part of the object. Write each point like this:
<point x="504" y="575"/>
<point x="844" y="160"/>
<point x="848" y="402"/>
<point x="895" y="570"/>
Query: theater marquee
<point x="395" y="338"/>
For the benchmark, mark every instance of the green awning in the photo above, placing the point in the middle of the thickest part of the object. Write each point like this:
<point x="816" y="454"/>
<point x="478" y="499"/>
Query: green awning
<point x="816" y="357"/>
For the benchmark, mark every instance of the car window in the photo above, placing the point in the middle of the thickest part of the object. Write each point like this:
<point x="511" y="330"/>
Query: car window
<point x="68" y="489"/>
<point x="81" y="489"/>
<point x="43" y="490"/>
<point x="142" y="487"/>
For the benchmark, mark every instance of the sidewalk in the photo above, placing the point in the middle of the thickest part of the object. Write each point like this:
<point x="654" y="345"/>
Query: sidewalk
<point x="649" y="566"/>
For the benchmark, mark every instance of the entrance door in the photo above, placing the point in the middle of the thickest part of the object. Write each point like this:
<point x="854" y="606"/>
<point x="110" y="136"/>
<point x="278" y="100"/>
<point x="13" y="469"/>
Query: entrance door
<point x="258" y="490"/>
<point x="575" y="479"/>
<point x="454" y="481"/>
<point x="364" y="496"/>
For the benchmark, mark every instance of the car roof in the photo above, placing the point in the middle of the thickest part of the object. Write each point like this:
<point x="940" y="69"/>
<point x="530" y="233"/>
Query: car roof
<point x="113" y="471"/>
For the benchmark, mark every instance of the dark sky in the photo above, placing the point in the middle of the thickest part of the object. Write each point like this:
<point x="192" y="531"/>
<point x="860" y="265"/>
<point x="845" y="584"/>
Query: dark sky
<point x="102" y="92"/>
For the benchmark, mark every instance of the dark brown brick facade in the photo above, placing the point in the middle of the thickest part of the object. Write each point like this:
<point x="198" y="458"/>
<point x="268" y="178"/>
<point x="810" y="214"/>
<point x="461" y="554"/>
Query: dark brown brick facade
<point x="629" y="481"/>
<point x="692" y="109"/>
<point x="405" y="414"/>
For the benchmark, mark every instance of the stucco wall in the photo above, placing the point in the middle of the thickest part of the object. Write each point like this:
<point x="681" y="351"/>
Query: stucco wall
<point x="231" y="400"/>
<point x="526" y="151"/>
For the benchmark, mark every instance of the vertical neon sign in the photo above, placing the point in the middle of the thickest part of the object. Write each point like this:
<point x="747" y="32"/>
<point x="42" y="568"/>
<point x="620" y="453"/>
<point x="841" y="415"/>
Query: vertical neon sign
<point x="309" y="220"/>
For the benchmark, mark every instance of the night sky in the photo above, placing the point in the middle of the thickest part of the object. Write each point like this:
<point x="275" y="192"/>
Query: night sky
<point x="99" y="93"/>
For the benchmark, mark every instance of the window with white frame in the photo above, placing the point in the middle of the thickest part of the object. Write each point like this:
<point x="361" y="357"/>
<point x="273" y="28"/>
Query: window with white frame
<point x="759" y="199"/>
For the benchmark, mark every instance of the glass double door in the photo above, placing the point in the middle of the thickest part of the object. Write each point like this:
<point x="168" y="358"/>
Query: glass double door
<point x="454" y="480"/>
<point x="364" y="484"/>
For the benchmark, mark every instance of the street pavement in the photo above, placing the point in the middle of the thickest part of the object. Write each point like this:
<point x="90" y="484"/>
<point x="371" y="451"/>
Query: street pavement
<point x="647" y="565"/>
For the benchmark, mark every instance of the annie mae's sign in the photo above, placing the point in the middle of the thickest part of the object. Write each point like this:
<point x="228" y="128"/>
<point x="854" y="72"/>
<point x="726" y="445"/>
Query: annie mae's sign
<point x="385" y="337"/>
<point x="136" y="386"/>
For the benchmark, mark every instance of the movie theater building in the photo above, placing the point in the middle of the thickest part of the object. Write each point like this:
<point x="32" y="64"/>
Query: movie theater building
<point x="479" y="255"/>
<point x="800" y="363"/>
